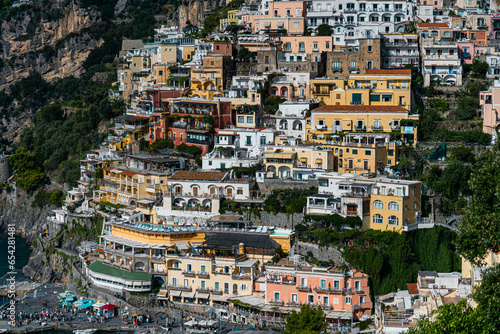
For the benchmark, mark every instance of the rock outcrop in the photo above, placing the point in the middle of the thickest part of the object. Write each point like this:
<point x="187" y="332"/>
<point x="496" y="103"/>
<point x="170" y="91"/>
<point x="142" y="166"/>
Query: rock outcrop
<point x="195" y="11"/>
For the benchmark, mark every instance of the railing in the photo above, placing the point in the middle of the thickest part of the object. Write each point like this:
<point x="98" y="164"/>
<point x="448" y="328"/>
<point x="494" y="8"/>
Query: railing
<point x="303" y="287"/>
<point x="325" y="289"/>
<point x="242" y="277"/>
<point x="351" y="213"/>
<point x="203" y="274"/>
<point x="180" y="288"/>
<point x="282" y="282"/>
<point x="203" y="290"/>
<point x="189" y="273"/>
<point x="215" y="292"/>
<point x="276" y="302"/>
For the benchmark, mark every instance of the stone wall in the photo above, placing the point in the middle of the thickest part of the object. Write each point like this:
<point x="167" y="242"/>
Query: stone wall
<point x="279" y="220"/>
<point x="271" y="184"/>
<point x="325" y="254"/>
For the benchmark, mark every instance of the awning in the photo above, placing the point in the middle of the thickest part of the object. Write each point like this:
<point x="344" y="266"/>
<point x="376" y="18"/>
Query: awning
<point x="280" y="25"/>
<point x="218" y="298"/>
<point x="87" y="305"/>
<point x="188" y="294"/>
<point x="303" y="159"/>
<point x="162" y="293"/>
<point x="202" y="295"/>
<point x="175" y="293"/>
<point x="267" y="24"/>
<point x="183" y="245"/>
<point x="150" y="190"/>
<point x="319" y="161"/>
<point x="108" y="307"/>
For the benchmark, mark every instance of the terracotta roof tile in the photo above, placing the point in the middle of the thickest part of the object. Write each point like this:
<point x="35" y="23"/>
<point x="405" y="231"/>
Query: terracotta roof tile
<point x="390" y="72"/>
<point x="360" y="108"/>
<point x="412" y="288"/>
<point x="202" y="176"/>
<point x="431" y="24"/>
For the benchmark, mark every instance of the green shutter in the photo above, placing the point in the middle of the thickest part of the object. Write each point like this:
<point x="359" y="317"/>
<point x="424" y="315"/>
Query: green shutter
<point x="374" y="97"/>
<point x="356" y="97"/>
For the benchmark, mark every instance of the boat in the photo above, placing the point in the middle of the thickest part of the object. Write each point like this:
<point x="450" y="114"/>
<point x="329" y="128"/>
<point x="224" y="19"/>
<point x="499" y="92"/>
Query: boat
<point x="166" y="328"/>
<point x="84" y="331"/>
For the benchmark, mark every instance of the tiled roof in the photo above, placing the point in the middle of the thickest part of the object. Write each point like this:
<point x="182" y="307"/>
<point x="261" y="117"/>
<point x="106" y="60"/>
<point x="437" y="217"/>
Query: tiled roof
<point x="412" y="288"/>
<point x="202" y="176"/>
<point x="360" y="108"/>
<point x="431" y="24"/>
<point x="390" y="72"/>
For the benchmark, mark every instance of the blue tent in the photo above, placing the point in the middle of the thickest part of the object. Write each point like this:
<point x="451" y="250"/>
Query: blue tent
<point x="87" y="305"/>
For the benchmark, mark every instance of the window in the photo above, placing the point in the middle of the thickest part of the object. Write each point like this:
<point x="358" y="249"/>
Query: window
<point x="186" y="283"/>
<point x="249" y="119"/>
<point x="315" y="46"/>
<point x="244" y="287"/>
<point x="378" y="219"/>
<point x="174" y="281"/>
<point x="357" y="285"/>
<point x="374" y="97"/>
<point x="394" y="206"/>
<point x="362" y="7"/>
<point x="294" y="298"/>
<point x="203" y="269"/>
<point x="210" y="162"/>
<point x="189" y="268"/>
<point x="327" y="45"/>
<point x="226" y="269"/>
<point x="302" y="46"/>
<point x="241" y="119"/>
<point x="368" y="152"/>
<point x="347" y="300"/>
<point x="288" y="47"/>
<point x="378" y="204"/>
<point x="370" y="48"/>
<point x="353" y="65"/>
<point x="216" y="286"/>
<point x="377" y="124"/>
<point x="266" y="59"/>
<point x="361" y="299"/>
<point x="249" y="140"/>
<point x="303" y="281"/>
<point x="325" y="300"/>
<point x="323" y="283"/>
<point x="222" y="165"/>
<point x="386" y="98"/>
<point x="276" y="296"/>
<point x="336" y="65"/>
<point x="415" y="205"/>
<point x="393" y="220"/>
<point x="354" y="151"/>
<point x="203" y="285"/>
<point x="297" y="12"/>
<point x="176" y="264"/>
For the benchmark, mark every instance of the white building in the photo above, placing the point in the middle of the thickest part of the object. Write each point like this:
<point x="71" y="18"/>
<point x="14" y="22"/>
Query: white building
<point x="291" y="118"/>
<point x="399" y="50"/>
<point x="440" y="62"/>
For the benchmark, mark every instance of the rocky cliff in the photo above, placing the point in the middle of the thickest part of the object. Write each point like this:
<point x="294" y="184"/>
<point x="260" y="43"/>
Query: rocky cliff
<point x="195" y="11"/>
<point x="51" y="41"/>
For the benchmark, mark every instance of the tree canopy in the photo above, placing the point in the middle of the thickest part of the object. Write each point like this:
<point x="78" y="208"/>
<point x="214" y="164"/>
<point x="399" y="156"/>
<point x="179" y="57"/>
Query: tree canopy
<point x="309" y="320"/>
<point x="324" y="30"/>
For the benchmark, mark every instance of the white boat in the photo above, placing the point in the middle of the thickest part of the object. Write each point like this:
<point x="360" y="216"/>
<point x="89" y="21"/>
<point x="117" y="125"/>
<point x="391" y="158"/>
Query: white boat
<point x="84" y="331"/>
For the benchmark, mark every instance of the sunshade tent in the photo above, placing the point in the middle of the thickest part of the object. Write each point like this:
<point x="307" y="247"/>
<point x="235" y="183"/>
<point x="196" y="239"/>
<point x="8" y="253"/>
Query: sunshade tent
<point x="108" y="307"/>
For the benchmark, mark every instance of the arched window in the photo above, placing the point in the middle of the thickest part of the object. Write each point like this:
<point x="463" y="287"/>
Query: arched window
<point x="393" y="220"/>
<point x="378" y="204"/>
<point x="394" y="206"/>
<point x="378" y="219"/>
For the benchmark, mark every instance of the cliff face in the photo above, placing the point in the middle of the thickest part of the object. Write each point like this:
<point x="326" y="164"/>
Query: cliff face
<point x="48" y="40"/>
<point x="195" y="11"/>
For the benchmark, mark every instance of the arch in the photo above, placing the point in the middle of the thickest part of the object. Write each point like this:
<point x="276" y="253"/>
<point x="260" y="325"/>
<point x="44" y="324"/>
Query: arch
<point x="386" y="17"/>
<point x="284" y="91"/>
<point x="273" y="90"/>
<point x="283" y="124"/>
<point x="193" y="202"/>
<point x="361" y="17"/>
<point x="297" y="125"/>
<point x="271" y="168"/>
<point x="378" y="204"/>
<point x="378" y="219"/>
<point x="229" y="191"/>
<point x="139" y="266"/>
<point x="393" y="220"/>
<point x="208" y="203"/>
<point x="393" y="206"/>
<point x="434" y="33"/>
<point x="450" y="79"/>
<point x="212" y="189"/>
<point x="177" y="189"/>
<point x="235" y="289"/>
<point x="196" y="96"/>
<point x="374" y="18"/>
<point x="132" y="202"/>
<point x="195" y="189"/>
<point x="180" y="202"/>
<point x="424" y="33"/>
<point x="399" y="18"/>
<point x="285" y="172"/>
<point x="435" y="78"/>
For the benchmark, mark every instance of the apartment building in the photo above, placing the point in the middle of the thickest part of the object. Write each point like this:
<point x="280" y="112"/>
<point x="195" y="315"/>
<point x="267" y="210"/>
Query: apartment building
<point x="282" y="15"/>
<point x="291" y="85"/>
<point x="296" y="162"/>
<point x="306" y="44"/>
<point x="489" y="100"/>
<point x="198" y="193"/>
<point x="387" y="87"/>
<point x="338" y="119"/>
<point x="290" y="119"/>
<point x="381" y="203"/>
<point x="328" y="288"/>
<point x="244" y="90"/>
<point x="399" y="50"/>
<point x="209" y="79"/>
<point x="346" y="60"/>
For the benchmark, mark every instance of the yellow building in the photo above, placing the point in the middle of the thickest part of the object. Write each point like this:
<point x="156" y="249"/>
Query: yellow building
<point x="210" y="80"/>
<point x="202" y="279"/>
<point x="375" y="88"/>
<point x="133" y="189"/>
<point x="297" y="162"/>
<point x="168" y="53"/>
<point x="231" y="19"/>
<point x="335" y="120"/>
<point x="394" y="203"/>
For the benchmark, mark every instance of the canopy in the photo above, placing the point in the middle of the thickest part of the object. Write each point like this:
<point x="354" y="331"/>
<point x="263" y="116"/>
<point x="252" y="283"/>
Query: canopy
<point x="190" y="323"/>
<point x="108" y="307"/>
<point x="87" y="305"/>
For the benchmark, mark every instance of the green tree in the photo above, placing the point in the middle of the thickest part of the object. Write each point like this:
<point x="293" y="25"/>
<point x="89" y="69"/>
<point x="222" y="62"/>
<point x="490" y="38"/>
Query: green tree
<point x="479" y="68"/>
<point x="479" y="232"/>
<point x="271" y="104"/>
<point x="452" y="318"/>
<point x="324" y="30"/>
<point x="467" y="108"/>
<point x="245" y="55"/>
<point x="487" y="295"/>
<point x="463" y="153"/>
<point x="22" y="161"/>
<point x="309" y="320"/>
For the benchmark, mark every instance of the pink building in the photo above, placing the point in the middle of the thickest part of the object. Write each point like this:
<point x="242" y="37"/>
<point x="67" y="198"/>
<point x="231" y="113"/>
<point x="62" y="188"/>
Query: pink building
<point x="306" y="44"/>
<point x="339" y="293"/>
<point x="466" y="51"/>
<point x="490" y="105"/>
<point x="283" y="15"/>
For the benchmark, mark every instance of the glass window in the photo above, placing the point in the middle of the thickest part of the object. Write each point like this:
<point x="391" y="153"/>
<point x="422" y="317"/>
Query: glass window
<point x="378" y="219"/>
<point x="378" y="204"/>
<point x="249" y="119"/>
<point x="393" y="220"/>
<point x="354" y="151"/>
<point x="348" y="300"/>
<point x="374" y="97"/>
<point x="241" y="119"/>
<point x="393" y="206"/>
<point x="368" y="152"/>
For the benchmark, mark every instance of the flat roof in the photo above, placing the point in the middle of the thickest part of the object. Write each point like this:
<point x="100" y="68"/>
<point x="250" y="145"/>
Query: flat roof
<point x="101" y="268"/>
<point x="356" y="108"/>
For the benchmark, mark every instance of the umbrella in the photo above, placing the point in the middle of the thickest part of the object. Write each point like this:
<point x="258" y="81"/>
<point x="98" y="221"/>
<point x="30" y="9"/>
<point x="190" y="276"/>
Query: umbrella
<point x="108" y="307"/>
<point x="191" y="323"/>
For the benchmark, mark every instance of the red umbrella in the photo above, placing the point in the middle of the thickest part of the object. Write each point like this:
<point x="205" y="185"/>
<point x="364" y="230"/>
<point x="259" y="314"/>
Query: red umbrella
<point x="108" y="306"/>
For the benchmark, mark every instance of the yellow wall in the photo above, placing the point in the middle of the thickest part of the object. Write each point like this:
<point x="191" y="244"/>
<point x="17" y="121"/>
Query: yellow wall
<point x="168" y="53"/>
<point x="159" y="239"/>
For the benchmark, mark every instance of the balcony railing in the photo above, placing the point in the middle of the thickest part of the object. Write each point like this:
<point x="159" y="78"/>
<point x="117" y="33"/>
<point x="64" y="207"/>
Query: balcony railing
<point x="303" y="287"/>
<point x="242" y="277"/>
<point x="276" y="302"/>
<point x="329" y="289"/>
<point x="203" y="290"/>
<point x="180" y="288"/>
<point x="203" y="274"/>
<point x="189" y="273"/>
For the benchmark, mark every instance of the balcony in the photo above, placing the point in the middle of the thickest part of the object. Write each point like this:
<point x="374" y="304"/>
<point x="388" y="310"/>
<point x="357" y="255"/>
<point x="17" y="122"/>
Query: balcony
<point x="215" y="292"/>
<point x="245" y="277"/>
<point x="276" y="302"/>
<point x="321" y="127"/>
<point x="356" y="103"/>
<point x="203" y="274"/>
<point x="203" y="290"/>
<point x="324" y="289"/>
<point x="180" y="288"/>
<point x="303" y="288"/>
<point x="351" y="213"/>
<point x="377" y="127"/>
<point x="189" y="273"/>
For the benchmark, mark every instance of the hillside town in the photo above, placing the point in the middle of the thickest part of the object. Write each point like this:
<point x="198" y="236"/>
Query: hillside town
<point x="253" y="159"/>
